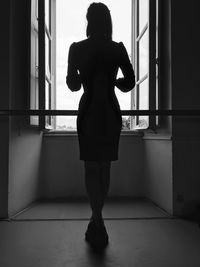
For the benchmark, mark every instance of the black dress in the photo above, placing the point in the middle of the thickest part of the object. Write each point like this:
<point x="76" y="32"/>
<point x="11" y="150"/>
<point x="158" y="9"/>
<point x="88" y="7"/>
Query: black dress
<point x="94" y="63"/>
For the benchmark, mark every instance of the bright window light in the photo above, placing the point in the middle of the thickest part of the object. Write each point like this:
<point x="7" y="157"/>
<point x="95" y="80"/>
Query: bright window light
<point x="71" y="27"/>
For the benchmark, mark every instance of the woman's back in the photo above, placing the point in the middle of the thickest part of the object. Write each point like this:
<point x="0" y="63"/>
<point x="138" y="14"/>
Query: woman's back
<point x="93" y="57"/>
<point x="97" y="62"/>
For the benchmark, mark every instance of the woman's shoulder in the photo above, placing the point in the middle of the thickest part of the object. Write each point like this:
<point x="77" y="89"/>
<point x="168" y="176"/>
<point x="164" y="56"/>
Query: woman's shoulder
<point x="79" y="43"/>
<point x="87" y="41"/>
<point x="79" y="47"/>
<point x="118" y="45"/>
<point x="86" y="45"/>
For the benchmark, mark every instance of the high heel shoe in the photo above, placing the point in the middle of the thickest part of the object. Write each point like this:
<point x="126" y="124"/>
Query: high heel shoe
<point x="96" y="235"/>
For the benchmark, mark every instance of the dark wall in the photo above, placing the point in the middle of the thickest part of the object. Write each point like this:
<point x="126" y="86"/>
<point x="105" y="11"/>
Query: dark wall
<point x="4" y="104"/>
<point x="179" y="89"/>
<point x="5" y="54"/>
<point x="186" y="54"/>
<point x="165" y="64"/>
<point x="24" y="141"/>
<point x="158" y="147"/>
<point x="63" y="172"/>
<point x="186" y="95"/>
<point x="186" y="66"/>
<point x="20" y="19"/>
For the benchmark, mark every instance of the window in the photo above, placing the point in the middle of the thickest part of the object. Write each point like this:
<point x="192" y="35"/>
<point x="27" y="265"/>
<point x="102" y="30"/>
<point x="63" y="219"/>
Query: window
<point x="34" y="57"/>
<point x="42" y="81"/>
<point x="50" y="57"/>
<point x="145" y="52"/>
<point x="74" y="13"/>
<point x="55" y="34"/>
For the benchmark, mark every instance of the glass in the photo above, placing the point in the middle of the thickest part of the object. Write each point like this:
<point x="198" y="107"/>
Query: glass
<point x="157" y="94"/>
<point x="126" y="123"/>
<point x="68" y="123"/>
<point x="47" y="12"/>
<point x="36" y="8"/>
<point x="124" y="99"/>
<point x="47" y="57"/>
<point x="144" y="103"/>
<point x="65" y="123"/>
<point x="34" y="120"/>
<point x="68" y="13"/>
<point x="47" y="95"/>
<point x="48" y="121"/>
<point x="36" y="54"/>
<point x="143" y="13"/>
<point x="34" y="83"/>
<point x="144" y="55"/>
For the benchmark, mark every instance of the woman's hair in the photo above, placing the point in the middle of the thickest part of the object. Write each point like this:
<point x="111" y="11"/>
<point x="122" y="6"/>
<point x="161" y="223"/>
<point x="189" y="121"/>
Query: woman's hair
<point x="99" y="21"/>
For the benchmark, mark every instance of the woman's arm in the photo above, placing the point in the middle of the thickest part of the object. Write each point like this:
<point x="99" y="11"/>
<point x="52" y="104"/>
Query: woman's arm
<point x="73" y="79"/>
<point x="128" y="82"/>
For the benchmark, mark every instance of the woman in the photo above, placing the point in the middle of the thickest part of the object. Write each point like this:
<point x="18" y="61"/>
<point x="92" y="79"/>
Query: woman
<point x="94" y="63"/>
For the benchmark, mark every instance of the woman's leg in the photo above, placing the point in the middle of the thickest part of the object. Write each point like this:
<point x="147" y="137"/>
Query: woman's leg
<point x="105" y="178"/>
<point x="93" y="187"/>
<point x="97" y="181"/>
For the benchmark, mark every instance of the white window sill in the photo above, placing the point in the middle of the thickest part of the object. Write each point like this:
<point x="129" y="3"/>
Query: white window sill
<point x="158" y="137"/>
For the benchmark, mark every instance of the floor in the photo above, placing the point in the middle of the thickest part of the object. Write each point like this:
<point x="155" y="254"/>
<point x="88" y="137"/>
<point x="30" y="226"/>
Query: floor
<point x="114" y="209"/>
<point x="140" y="234"/>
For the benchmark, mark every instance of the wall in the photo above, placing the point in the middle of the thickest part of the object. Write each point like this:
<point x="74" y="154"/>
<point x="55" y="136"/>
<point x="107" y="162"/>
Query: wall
<point x="158" y="146"/>
<point x="24" y="164"/>
<point x="63" y="172"/>
<point x="25" y="142"/>
<point x="186" y="95"/>
<point x="4" y="104"/>
<point x="4" y="129"/>
<point x="158" y="171"/>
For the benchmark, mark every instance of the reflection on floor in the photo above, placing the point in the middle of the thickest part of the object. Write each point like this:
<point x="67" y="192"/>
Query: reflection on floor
<point x="139" y="242"/>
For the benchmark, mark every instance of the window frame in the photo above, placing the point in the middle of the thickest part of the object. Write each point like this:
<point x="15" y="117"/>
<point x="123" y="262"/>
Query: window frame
<point x="44" y="76"/>
<point x="50" y="73"/>
<point x="33" y="100"/>
<point x="153" y="74"/>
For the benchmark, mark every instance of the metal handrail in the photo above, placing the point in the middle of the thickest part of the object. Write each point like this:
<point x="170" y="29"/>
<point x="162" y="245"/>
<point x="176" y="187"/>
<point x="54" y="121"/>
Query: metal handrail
<point x="33" y="112"/>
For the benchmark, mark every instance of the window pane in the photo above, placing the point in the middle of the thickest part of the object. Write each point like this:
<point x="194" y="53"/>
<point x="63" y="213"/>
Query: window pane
<point x="143" y="13"/>
<point x="144" y="55"/>
<point x="47" y="56"/>
<point x="126" y="123"/>
<point x="34" y="91"/>
<point x="144" y="102"/>
<point x="47" y="95"/>
<point x="47" y="17"/>
<point x="123" y="98"/>
<point x="36" y="8"/>
<point x="66" y="123"/>
<point x="71" y="27"/>
<point x="48" y="121"/>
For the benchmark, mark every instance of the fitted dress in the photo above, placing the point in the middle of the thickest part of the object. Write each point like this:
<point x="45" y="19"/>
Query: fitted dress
<point x="93" y="63"/>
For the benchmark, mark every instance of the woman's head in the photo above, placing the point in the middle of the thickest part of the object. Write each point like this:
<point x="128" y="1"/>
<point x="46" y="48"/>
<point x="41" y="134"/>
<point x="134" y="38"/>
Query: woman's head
<point x="99" y="21"/>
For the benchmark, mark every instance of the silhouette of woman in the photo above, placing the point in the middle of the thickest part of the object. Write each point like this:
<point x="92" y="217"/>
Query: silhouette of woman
<point x="94" y="63"/>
